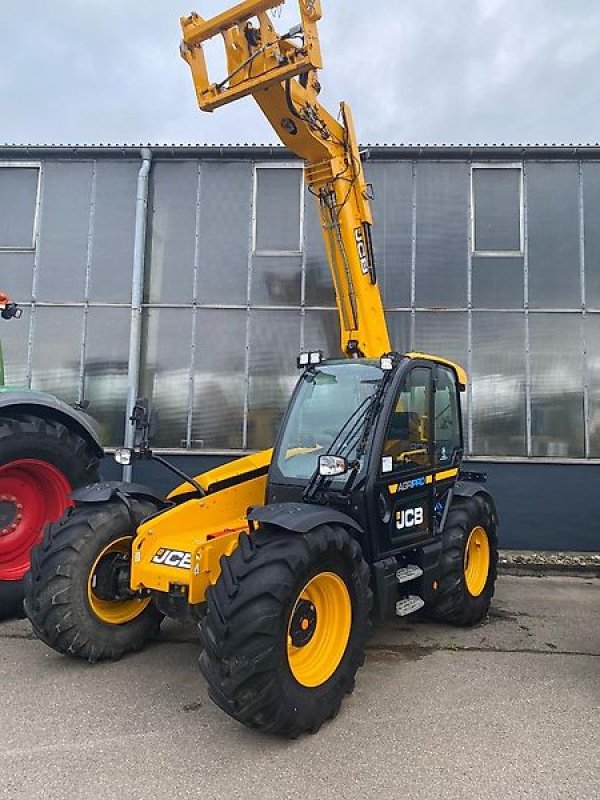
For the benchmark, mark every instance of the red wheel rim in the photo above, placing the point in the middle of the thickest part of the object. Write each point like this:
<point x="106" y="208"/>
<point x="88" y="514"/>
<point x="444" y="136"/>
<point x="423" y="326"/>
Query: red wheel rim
<point x="32" y="493"/>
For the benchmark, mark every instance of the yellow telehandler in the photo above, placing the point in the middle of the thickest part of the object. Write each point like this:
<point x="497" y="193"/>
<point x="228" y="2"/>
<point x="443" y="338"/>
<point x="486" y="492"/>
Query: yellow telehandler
<point x="360" y="511"/>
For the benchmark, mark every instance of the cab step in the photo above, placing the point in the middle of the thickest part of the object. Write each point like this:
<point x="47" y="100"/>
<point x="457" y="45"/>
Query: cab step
<point x="408" y="605"/>
<point x="408" y="573"/>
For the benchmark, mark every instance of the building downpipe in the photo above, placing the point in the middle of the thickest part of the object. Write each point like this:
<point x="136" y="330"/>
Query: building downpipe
<point x="137" y="298"/>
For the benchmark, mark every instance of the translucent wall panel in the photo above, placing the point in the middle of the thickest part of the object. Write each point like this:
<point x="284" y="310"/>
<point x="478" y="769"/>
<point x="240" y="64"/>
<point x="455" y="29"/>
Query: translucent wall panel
<point x="319" y="285"/>
<point x="64" y="230"/>
<point x="591" y="206"/>
<point x="392" y="231"/>
<point x="18" y="197"/>
<point x="399" y="328"/>
<point x="553" y="232"/>
<point x="497" y="209"/>
<point x="220" y="379"/>
<point x="105" y="370"/>
<point x="442" y="333"/>
<point x="225" y="232"/>
<point x="499" y="385"/>
<point x="442" y="234"/>
<point x="274" y="346"/>
<point x="166" y="372"/>
<point x="322" y="332"/>
<point x="276" y="280"/>
<point x="278" y="196"/>
<point x="172" y="231"/>
<point x="557" y="385"/>
<point x="57" y="351"/>
<point x="14" y="338"/>
<point x="16" y="274"/>
<point x="592" y="340"/>
<point x="114" y="231"/>
<point x="498" y="282"/>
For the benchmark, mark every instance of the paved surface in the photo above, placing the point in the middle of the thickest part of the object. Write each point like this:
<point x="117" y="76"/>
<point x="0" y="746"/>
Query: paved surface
<point x="510" y="709"/>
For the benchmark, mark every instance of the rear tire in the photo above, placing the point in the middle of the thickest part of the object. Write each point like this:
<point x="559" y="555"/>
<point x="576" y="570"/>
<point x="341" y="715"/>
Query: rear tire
<point x="41" y="461"/>
<point x="60" y="600"/>
<point x="285" y="628"/>
<point x="469" y="564"/>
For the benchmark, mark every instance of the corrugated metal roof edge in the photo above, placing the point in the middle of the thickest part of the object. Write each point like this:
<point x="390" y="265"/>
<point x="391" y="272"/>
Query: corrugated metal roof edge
<point x="267" y="151"/>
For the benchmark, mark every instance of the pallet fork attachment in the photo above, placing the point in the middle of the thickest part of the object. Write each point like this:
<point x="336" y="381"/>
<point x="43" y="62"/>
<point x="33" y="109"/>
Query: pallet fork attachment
<point x="257" y="57"/>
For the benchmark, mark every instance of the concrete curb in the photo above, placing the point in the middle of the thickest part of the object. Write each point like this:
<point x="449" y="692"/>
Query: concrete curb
<point x="546" y="562"/>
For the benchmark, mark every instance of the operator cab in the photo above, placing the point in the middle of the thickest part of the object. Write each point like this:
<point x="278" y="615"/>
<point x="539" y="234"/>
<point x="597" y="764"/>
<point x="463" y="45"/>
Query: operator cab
<point x="394" y="430"/>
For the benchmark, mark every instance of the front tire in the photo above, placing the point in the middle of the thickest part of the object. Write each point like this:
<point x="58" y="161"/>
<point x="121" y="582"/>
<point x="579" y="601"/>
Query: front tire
<point x="469" y="563"/>
<point x="285" y="628"/>
<point x="63" y="601"/>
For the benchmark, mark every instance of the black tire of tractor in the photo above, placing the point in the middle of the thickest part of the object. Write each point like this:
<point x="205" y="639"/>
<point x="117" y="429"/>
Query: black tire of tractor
<point x="244" y="633"/>
<point x="454" y="604"/>
<point x="31" y="436"/>
<point x="56" y="587"/>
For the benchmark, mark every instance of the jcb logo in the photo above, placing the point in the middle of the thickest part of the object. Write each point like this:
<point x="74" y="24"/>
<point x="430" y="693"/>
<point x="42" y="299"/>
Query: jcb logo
<point x="363" y="253"/>
<point x="173" y="558"/>
<point x="410" y="518"/>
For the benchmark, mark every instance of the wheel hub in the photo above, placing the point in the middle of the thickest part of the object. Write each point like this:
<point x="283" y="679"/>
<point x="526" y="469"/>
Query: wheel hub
<point x="303" y="623"/>
<point x="9" y="514"/>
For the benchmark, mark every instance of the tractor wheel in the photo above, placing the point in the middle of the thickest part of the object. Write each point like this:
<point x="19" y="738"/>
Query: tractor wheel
<point x="285" y="628"/>
<point x="77" y="590"/>
<point x="469" y="564"/>
<point x="41" y="461"/>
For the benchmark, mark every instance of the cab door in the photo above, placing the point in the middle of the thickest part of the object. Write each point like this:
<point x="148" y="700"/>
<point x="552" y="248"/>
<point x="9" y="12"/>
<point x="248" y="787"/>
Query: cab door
<point x="405" y="482"/>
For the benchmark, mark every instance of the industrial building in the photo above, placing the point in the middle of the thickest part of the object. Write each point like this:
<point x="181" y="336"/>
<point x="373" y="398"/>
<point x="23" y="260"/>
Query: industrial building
<point x="488" y="255"/>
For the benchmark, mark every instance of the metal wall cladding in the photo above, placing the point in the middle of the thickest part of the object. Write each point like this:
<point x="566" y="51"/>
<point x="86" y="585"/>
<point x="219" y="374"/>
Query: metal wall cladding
<point x="166" y="372"/>
<point x="392" y="187"/>
<point x="113" y="232"/>
<point x="557" y="398"/>
<point x="274" y="345"/>
<point x="225" y="232"/>
<point x="591" y="210"/>
<point x="498" y="282"/>
<point x="14" y="336"/>
<point x="553" y="235"/>
<point x="592" y="340"/>
<point x="65" y="231"/>
<point x="442" y="226"/>
<point x="319" y="286"/>
<point x="105" y="369"/>
<point x="172" y="232"/>
<point x="18" y="201"/>
<point x="499" y="384"/>
<point x="219" y="373"/>
<point x="278" y="217"/>
<point x="16" y="273"/>
<point x="57" y="351"/>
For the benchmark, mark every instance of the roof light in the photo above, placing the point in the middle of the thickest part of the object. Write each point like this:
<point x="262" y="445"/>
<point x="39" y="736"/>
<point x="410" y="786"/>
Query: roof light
<point x="310" y="359"/>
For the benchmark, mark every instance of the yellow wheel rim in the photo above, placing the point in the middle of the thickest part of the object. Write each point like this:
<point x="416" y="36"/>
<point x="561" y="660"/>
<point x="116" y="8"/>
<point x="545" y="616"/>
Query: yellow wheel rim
<point x="114" y="612"/>
<point x="477" y="561"/>
<point x="319" y="629"/>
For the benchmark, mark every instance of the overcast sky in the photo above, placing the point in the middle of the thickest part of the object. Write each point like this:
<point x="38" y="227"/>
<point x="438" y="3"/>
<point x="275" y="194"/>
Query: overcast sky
<point x="414" y="71"/>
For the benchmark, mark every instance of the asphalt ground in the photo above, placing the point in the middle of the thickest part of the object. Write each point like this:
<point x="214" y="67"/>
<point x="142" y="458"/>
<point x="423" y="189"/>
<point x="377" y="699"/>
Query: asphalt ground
<point x="509" y="709"/>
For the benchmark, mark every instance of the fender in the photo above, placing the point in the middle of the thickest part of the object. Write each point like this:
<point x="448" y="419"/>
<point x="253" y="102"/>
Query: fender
<point x="45" y="405"/>
<point x="467" y="488"/>
<point x="105" y="491"/>
<point x="301" y="517"/>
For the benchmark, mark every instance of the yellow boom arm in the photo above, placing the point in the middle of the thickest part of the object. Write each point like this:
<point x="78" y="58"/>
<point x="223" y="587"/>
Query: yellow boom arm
<point x="280" y="72"/>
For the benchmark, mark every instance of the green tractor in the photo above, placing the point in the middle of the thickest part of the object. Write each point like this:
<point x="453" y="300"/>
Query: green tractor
<point x="47" y="449"/>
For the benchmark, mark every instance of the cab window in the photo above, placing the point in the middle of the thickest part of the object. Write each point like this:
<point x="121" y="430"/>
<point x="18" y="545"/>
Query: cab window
<point x="448" y="437"/>
<point x="408" y="436"/>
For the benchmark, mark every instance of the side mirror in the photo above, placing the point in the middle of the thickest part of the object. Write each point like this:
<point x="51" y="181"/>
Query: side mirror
<point x="330" y="466"/>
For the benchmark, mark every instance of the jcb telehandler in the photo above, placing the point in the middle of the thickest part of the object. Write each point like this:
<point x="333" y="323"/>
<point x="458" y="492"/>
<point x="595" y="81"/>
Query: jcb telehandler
<point x="361" y="510"/>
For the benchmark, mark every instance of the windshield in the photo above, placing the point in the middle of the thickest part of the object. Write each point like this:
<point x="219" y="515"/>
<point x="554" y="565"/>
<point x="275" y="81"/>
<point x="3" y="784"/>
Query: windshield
<point x="327" y="398"/>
